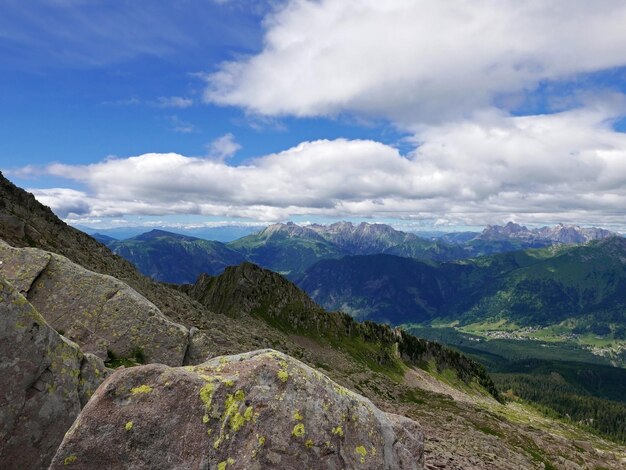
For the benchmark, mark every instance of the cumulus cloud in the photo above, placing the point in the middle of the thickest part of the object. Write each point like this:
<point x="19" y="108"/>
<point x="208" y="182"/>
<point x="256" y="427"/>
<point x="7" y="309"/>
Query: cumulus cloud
<point x="568" y="167"/>
<point x="223" y="147"/>
<point x="416" y="61"/>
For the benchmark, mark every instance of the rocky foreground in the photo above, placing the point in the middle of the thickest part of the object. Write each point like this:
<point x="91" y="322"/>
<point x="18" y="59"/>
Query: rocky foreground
<point x="257" y="410"/>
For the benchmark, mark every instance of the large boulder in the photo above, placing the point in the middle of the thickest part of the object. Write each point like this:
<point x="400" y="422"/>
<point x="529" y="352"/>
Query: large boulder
<point x="257" y="410"/>
<point x="44" y="381"/>
<point x="103" y="315"/>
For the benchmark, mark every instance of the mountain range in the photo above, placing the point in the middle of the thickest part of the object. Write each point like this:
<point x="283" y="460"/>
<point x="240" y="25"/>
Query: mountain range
<point x="291" y="249"/>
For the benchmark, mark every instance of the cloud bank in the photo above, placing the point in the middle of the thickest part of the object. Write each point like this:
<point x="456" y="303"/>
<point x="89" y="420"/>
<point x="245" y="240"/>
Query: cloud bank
<point x="569" y="166"/>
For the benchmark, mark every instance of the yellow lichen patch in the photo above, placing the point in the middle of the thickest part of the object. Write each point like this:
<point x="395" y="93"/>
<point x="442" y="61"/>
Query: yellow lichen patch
<point x="69" y="460"/>
<point x="338" y="431"/>
<point x="228" y="382"/>
<point x="298" y="430"/>
<point x="206" y="395"/>
<point x="297" y="416"/>
<point x="283" y="375"/>
<point x="205" y="419"/>
<point x="343" y="391"/>
<point x="128" y="426"/>
<point x="260" y="439"/>
<point x="226" y="463"/>
<point x="373" y="450"/>
<point x="239" y="420"/>
<point x="362" y="451"/>
<point x="309" y="443"/>
<point x="141" y="389"/>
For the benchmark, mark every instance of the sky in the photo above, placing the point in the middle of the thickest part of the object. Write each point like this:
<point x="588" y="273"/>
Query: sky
<point x="418" y="113"/>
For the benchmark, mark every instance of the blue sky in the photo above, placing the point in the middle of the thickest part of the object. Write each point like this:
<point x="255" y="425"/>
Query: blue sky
<point x="404" y="112"/>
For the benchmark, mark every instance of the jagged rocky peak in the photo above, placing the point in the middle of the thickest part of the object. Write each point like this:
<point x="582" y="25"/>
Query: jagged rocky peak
<point x="256" y="410"/>
<point x="364" y="238"/>
<point x="510" y="230"/>
<point x="289" y="230"/>
<point x="560" y="233"/>
<point x="246" y="288"/>
<point x="573" y="233"/>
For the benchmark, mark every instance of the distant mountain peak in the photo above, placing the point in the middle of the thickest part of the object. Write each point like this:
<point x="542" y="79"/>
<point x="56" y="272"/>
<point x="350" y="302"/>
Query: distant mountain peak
<point x="364" y="238"/>
<point x="157" y="233"/>
<point x="289" y="230"/>
<point x="560" y="233"/>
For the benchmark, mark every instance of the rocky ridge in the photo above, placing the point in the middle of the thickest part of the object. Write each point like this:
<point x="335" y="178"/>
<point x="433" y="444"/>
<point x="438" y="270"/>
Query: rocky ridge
<point x="102" y="314"/>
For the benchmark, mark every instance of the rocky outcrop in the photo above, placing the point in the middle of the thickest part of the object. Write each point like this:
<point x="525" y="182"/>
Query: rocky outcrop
<point x="249" y="289"/>
<point x="44" y="381"/>
<point x="256" y="410"/>
<point x="103" y="315"/>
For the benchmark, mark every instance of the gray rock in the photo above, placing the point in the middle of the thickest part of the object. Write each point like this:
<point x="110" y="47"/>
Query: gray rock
<point x="201" y="347"/>
<point x="98" y="312"/>
<point x="42" y="379"/>
<point x="256" y="410"/>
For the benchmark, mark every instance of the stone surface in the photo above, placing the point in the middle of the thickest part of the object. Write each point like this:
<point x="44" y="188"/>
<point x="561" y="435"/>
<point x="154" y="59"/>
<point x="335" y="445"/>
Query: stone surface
<point x="43" y="380"/>
<point x="256" y="410"/>
<point x="99" y="312"/>
<point x="201" y="347"/>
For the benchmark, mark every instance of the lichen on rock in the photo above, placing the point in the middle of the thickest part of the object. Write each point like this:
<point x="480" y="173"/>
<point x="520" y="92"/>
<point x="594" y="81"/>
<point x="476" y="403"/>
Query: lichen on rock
<point x="259" y="421"/>
<point x="102" y="314"/>
<point x="44" y="381"/>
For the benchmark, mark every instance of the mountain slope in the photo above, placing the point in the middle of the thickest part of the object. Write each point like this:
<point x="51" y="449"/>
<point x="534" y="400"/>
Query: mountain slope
<point x="587" y="282"/>
<point x="531" y="287"/>
<point x="170" y="257"/>
<point x="250" y="290"/>
<point x="286" y="248"/>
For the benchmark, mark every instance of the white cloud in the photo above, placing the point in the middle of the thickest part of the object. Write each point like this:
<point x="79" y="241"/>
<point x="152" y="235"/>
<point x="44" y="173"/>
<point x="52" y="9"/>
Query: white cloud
<point x="173" y="102"/>
<point x="181" y="126"/>
<point x="223" y="147"/>
<point x="416" y="61"/>
<point x="568" y="167"/>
